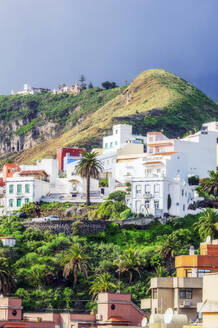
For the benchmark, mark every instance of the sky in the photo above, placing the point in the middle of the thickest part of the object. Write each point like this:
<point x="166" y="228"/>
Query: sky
<point x="48" y="42"/>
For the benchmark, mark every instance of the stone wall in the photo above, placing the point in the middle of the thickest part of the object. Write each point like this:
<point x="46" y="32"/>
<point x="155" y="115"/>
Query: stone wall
<point x="65" y="226"/>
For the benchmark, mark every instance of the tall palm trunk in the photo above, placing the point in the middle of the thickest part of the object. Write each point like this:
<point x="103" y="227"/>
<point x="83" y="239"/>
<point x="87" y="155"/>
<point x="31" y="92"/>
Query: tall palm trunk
<point x="88" y="190"/>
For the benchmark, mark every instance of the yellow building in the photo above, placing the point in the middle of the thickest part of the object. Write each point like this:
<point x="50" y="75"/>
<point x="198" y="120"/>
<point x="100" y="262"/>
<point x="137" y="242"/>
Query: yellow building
<point x="209" y="305"/>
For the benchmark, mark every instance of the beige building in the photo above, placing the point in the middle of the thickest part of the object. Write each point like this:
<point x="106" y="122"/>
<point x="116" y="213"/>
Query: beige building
<point x="181" y="294"/>
<point x="209" y="305"/>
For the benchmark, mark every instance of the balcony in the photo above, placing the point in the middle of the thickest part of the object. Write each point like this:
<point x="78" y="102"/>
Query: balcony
<point x="146" y="303"/>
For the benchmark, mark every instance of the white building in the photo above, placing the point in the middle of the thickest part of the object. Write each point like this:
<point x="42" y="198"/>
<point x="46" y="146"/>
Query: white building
<point x="78" y="184"/>
<point x="122" y="134"/>
<point x="25" y="187"/>
<point x="74" y="89"/>
<point x="160" y="196"/>
<point x="199" y="148"/>
<point x="50" y="166"/>
<point x="28" y="90"/>
<point x="8" y="241"/>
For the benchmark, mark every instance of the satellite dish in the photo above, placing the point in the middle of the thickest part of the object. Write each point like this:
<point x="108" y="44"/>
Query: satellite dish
<point x="208" y="240"/>
<point x="168" y="315"/>
<point x="144" y="322"/>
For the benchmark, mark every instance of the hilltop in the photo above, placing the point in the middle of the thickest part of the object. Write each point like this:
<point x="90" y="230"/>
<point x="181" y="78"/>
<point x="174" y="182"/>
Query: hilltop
<point x="155" y="100"/>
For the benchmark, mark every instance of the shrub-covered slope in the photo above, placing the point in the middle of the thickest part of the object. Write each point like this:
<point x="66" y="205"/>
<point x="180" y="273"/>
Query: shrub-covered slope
<point x="155" y="100"/>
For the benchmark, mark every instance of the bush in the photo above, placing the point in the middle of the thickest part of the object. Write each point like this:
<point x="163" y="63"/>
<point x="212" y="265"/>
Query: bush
<point x="125" y="214"/>
<point x="117" y="195"/>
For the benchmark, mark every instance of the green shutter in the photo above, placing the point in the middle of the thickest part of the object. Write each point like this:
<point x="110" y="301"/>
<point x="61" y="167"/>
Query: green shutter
<point x="11" y="189"/>
<point x="18" y="202"/>
<point x="27" y="188"/>
<point x="19" y="189"/>
<point x="11" y="203"/>
<point x="27" y="200"/>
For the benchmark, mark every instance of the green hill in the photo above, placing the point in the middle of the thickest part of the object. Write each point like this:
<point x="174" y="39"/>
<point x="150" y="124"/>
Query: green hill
<point x="155" y="100"/>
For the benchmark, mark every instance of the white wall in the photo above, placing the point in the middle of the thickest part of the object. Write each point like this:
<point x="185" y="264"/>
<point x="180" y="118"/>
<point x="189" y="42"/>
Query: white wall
<point x="200" y="151"/>
<point x="157" y="190"/>
<point x="37" y="189"/>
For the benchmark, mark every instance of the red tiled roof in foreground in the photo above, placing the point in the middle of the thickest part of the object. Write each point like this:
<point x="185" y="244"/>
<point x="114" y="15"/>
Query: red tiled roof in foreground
<point x="34" y="172"/>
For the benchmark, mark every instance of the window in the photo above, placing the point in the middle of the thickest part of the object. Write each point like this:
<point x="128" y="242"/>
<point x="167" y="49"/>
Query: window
<point x="183" y="207"/>
<point x="154" y="293"/>
<point x="156" y="189"/>
<point x="116" y="131"/>
<point x="147" y="204"/>
<point x="138" y="190"/>
<point x="182" y="192"/>
<point x="11" y="189"/>
<point x="106" y="145"/>
<point x="185" y="293"/>
<point x="177" y="204"/>
<point x="111" y="144"/>
<point x="9" y="170"/>
<point x="116" y="143"/>
<point x="27" y="188"/>
<point x="201" y="273"/>
<point x="148" y="172"/>
<point x="11" y="202"/>
<point x="19" y="189"/>
<point x="27" y="200"/>
<point x="189" y="273"/>
<point x="147" y="189"/>
<point x="19" y="202"/>
<point x="156" y="205"/>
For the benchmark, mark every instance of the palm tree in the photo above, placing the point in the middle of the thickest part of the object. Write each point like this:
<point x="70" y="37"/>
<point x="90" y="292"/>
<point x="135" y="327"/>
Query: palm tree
<point x="210" y="185"/>
<point x="6" y="277"/>
<point x="102" y="283"/>
<point x="89" y="167"/>
<point x="168" y="248"/>
<point x="130" y="261"/>
<point x="207" y="224"/>
<point x="75" y="260"/>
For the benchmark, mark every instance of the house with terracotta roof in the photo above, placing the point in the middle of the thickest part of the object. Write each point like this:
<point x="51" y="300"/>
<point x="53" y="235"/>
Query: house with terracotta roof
<point x="113" y="310"/>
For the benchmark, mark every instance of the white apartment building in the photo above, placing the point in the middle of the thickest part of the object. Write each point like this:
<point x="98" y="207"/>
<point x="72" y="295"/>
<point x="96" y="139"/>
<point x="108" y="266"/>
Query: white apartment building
<point x="122" y="134"/>
<point x="200" y="148"/>
<point x="25" y="189"/>
<point x="159" y="183"/>
<point x="160" y="196"/>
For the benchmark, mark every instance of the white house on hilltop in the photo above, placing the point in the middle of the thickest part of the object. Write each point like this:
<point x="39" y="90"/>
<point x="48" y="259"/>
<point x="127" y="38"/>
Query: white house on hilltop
<point x="28" y="90"/>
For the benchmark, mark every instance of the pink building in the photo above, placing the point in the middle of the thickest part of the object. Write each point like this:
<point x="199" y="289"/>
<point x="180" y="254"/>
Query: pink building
<point x="114" y="310"/>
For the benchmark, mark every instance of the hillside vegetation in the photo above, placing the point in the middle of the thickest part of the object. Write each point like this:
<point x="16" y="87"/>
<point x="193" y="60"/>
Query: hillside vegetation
<point x="26" y="121"/>
<point x="155" y="100"/>
<point x="36" y="267"/>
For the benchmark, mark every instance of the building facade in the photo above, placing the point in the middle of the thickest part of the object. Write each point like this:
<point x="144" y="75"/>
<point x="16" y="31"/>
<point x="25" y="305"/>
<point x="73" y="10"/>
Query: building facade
<point x="113" y="310"/>
<point x="122" y="133"/>
<point x="67" y="151"/>
<point x="24" y="189"/>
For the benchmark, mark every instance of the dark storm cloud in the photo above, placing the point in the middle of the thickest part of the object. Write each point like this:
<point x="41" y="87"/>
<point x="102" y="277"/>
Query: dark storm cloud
<point x="46" y="42"/>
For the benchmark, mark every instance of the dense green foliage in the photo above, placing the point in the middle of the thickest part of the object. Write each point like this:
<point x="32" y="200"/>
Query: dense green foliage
<point x="32" y="111"/>
<point x="53" y="271"/>
<point x="209" y="186"/>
